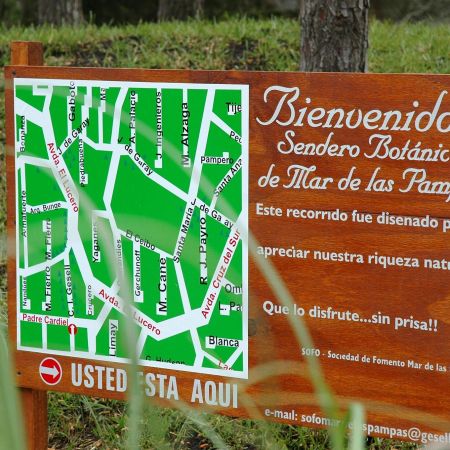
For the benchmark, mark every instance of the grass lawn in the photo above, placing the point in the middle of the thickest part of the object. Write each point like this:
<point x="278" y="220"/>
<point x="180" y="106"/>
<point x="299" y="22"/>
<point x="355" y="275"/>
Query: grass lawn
<point x="81" y="422"/>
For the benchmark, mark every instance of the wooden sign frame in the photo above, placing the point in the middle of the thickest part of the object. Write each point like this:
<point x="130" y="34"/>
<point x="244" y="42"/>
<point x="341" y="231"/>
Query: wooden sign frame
<point x="380" y="323"/>
<point x="34" y="402"/>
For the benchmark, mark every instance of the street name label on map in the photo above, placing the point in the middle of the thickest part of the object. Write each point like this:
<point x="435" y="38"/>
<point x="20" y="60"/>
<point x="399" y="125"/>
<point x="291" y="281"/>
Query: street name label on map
<point x="133" y="191"/>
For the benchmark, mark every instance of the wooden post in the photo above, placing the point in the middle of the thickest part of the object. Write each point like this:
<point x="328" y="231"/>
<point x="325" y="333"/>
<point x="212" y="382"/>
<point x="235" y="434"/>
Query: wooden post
<point x="35" y="418"/>
<point x="34" y="402"/>
<point x="27" y="53"/>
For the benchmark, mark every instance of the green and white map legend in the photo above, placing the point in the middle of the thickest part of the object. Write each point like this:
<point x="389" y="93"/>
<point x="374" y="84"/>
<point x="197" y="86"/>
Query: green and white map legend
<point x="132" y="217"/>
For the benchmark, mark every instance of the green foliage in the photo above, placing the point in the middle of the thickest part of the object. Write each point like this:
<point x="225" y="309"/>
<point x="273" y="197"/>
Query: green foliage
<point x="243" y="44"/>
<point x="10" y="12"/>
<point x="80" y="422"/>
<point x="409" y="48"/>
<point x="118" y="12"/>
<point x="411" y="10"/>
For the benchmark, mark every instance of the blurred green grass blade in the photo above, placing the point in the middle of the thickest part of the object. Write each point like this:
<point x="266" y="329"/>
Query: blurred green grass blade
<point x="11" y="427"/>
<point x="357" y="419"/>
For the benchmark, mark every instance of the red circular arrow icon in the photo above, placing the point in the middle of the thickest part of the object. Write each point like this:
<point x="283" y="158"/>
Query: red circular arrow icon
<point x="73" y="329"/>
<point x="50" y="371"/>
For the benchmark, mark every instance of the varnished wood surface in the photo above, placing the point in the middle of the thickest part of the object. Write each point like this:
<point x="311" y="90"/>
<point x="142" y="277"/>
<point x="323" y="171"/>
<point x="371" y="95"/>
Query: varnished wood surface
<point x="27" y="53"/>
<point x="35" y="417"/>
<point x="393" y="396"/>
<point x="34" y="402"/>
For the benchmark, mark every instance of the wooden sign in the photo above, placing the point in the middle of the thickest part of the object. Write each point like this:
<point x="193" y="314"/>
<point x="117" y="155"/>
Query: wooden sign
<point x="131" y="194"/>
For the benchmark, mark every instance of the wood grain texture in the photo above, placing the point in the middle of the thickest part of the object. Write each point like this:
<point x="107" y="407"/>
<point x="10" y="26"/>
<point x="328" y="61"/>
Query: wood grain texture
<point x="26" y="53"/>
<point x="34" y="402"/>
<point x="394" y="396"/>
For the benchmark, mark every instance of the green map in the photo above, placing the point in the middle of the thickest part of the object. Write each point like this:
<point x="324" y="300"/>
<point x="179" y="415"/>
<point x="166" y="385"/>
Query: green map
<point x="131" y="221"/>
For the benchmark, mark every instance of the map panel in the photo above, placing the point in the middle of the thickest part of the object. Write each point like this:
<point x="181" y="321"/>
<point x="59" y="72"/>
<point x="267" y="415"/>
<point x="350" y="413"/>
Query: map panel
<point x="132" y="216"/>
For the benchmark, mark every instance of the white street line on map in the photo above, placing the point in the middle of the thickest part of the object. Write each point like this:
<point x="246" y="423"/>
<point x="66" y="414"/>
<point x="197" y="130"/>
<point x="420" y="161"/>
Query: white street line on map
<point x="158" y="250"/>
<point x="100" y="213"/>
<point x="109" y="187"/>
<point x="73" y="235"/>
<point x="217" y="280"/>
<point x="118" y="107"/>
<point x="115" y="287"/>
<point x="59" y="168"/>
<point x="42" y="90"/>
<point x="138" y="293"/>
<point x="40" y="267"/>
<point x="87" y="104"/>
<point x="101" y="112"/>
<point x="212" y="345"/>
<point x="232" y="285"/>
<point x="232" y="172"/>
<point x="187" y="310"/>
<point x="43" y="207"/>
<point x="44" y="336"/>
<point x="181" y="324"/>
<point x="161" y="306"/>
<point x="23" y="185"/>
<point x="153" y="176"/>
<point x="140" y="344"/>
<point x="203" y="252"/>
<point x="185" y="158"/>
<point x="68" y="284"/>
<point x="196" y="174"/>
<point x="92" y="340"/>
<point x="159" y="139"/>
<point x="33" y="161"/>
<point x="103" y="147"/>
<point x="211" y="358"/>
<point x="111" y="298"/>
<point x="80" y="323"/>
<point x="202" y="142"/>
<point x="108" y="214"/>
<point x="72" y="342"/>
<point x="101" y="318"/>
<point x="80" y="256"/>
<point x="144" y="321"/>
<point x="223" y="126"/>
<point x="219" y="217"/>
<point x="198" y="361"/>
<point x="233" y="358"/>
<point x="197" y="346"/>
<point x="30" y="112"/>
<point x="167" y="185"/>
<point x="96" y="230"/>
<point x="69" y="122"/>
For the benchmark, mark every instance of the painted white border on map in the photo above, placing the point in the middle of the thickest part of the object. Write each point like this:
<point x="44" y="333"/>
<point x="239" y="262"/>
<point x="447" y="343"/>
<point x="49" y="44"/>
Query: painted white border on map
<point x="242" y="225"/>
